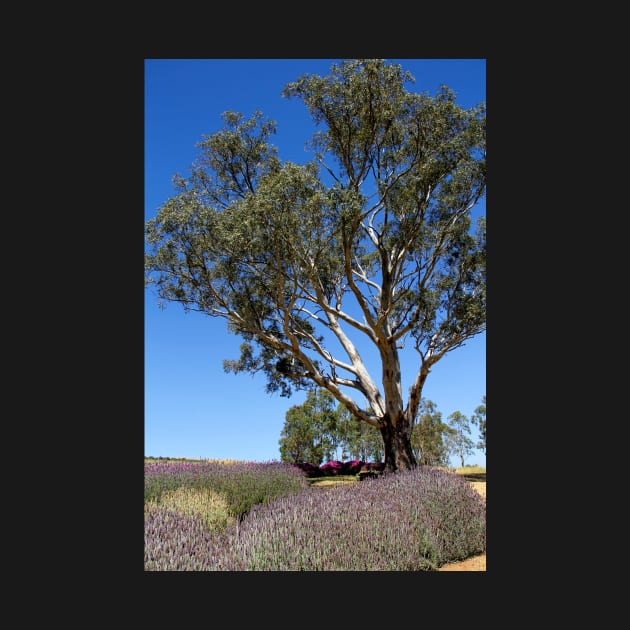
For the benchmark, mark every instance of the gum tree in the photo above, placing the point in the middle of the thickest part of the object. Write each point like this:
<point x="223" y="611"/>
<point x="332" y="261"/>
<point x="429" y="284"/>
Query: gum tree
<point x="428" y="435"/>
<point x="310" y="430"/>
<point x="358" y="439"/>
<point x="369" y="243"/>
<point x="479" y="418"/>
<point x="457" y="439"/>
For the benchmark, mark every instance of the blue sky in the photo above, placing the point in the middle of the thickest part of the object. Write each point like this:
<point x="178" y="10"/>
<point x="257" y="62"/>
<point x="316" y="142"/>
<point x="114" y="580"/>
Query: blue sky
<point x="192" y="407"/>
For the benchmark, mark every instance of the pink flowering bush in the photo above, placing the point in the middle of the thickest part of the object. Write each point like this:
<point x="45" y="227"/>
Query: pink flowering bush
<point x="333" y="467"/>
<point x="310" y="470"/>
<point x="352" y="467"/>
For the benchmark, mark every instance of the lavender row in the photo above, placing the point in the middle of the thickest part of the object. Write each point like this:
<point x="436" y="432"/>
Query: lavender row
<point x="408" y="521"/>
<point x="242" y="484"/>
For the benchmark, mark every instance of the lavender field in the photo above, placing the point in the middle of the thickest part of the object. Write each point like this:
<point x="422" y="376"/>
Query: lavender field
<point x="250" y="516"/>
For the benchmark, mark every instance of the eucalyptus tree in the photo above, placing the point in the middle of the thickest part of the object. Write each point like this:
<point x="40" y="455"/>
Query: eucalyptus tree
<point x="479" y="418"/>
<point x="357" y="439"/>
<point x="428" y="437"/>
<point x="370" y="243"/>
<point x="310" y="430"/>
<point x="457" y="439"/>
<point x="298" y="440"/>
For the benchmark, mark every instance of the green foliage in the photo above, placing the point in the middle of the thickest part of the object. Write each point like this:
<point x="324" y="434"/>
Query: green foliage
<point x="316" y="431"/>
<point x="479" y="418"/>
<point x="428" y="434"/>
<point x="357" y="439"/>
<point x="457" y="439"/>
<point x="310" y="430"/>
<point x="379" y="221"/>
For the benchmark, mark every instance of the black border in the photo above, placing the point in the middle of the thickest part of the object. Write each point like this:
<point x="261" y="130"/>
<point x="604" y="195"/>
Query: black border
<point x="110" y="325"/>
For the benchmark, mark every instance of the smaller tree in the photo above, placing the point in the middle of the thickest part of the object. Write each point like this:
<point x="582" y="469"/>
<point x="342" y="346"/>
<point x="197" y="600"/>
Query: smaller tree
<point x="358" y="440"/>
<point x="479" y="418"/>
<point x="427" y="437"/>
<point x="457" y="439"/>
<point x="298" y="442"/>
<point x="310" y="430"/>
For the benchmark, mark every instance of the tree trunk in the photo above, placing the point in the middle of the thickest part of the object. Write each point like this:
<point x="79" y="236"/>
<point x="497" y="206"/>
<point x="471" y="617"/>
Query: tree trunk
<point x="397" y="439"/>
<point x="396" y="427"/>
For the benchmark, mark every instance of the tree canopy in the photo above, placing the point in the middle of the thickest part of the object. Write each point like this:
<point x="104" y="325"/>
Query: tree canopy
<point x="479" y="418"/>
<point x="310" y="431"/>
<point x="321" y="429"/>
<point x="457" y="440"/>
<point x="370" y="242"/>
<point x="429" y="436"/>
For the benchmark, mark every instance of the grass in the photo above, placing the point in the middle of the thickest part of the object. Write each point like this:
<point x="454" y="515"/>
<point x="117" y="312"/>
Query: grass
<point x="332" y="481"/>
<point x="210" y="506"/>
<point x="472" y="473"/>
<point x="470" y="469"/>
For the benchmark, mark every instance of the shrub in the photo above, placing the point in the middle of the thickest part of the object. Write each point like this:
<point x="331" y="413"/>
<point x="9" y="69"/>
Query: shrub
<point x="333" y="467"/>
<point x="351" y="467"/>
<point x="368" y="466"/>
<point x="406" y="521"/>
<point x="179" y="542"/>
<point x="207" y="504"/>
<point x="310" y="470"/>
<point x="242" y="484"/>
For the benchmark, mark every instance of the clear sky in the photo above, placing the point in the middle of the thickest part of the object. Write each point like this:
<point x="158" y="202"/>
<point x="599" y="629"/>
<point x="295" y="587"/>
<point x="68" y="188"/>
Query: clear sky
<point x="192" y="407"/>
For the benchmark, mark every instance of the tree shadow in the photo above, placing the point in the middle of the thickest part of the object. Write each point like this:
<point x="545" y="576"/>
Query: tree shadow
<point x="474" y="476"/>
